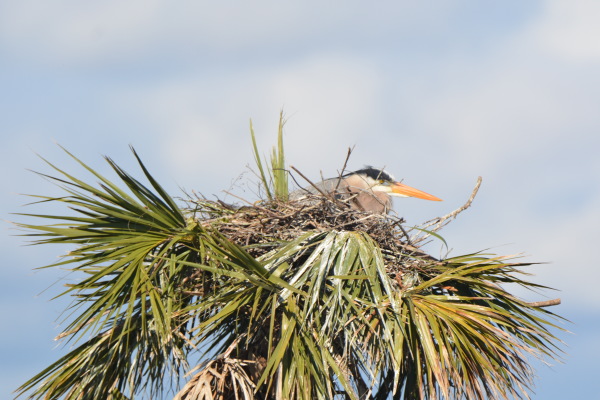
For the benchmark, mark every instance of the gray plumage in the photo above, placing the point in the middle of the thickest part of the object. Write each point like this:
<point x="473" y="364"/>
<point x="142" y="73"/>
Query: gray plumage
<point x="369" y="189"/>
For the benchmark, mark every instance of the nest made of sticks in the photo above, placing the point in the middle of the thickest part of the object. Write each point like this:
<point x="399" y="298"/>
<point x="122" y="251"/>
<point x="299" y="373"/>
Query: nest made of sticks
<point x="266" y="225"/>
<point x="261" y="227"/>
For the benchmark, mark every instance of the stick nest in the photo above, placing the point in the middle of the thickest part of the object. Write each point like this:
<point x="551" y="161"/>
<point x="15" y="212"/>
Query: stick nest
<point x="264" y="226"/>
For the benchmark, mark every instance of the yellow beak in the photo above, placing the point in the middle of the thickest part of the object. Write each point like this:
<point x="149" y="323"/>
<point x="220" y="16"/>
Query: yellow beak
<point x="401" y="189"/>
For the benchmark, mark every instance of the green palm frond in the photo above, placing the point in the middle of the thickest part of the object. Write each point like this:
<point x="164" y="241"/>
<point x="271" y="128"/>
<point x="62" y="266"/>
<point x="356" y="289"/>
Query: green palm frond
<point x="274" y="306"/>
<point x="346" y="324"/>
<point x="275" y="179"/>
<point x="127" y="301"/>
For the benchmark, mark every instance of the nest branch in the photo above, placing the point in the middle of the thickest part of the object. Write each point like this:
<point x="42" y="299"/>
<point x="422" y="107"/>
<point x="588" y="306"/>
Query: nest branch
<point x="341" y="173"/>
<point x="328" y="196"/>
<point x="547" y="303"/>
<point x="441" y="222"/>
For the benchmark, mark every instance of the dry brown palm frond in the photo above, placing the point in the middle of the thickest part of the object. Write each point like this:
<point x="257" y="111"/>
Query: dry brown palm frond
<point x="221" y="379"/>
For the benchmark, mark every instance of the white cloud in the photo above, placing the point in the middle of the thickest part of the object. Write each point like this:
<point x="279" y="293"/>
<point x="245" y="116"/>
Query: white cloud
<point x="73" y="32"/>
<point x="331" y="102"/>
<point x="569" y="30"/>
<point x="570" y="240"/>
<point x="328" y="100"/>
<point x="503" y="109"/>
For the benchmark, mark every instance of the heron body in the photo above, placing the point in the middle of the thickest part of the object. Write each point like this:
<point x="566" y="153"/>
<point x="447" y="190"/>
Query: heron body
<point x="368" y="189"/>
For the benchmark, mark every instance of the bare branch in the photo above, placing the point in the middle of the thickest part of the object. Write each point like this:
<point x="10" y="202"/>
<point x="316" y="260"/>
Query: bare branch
<point x="309" y="181"/>
<point x="440" y="222"/>
<point x="350" y="149"/>
<point x="328" y="196"/>
<point x="251" y="204"/>
<point x="547" y="303"/>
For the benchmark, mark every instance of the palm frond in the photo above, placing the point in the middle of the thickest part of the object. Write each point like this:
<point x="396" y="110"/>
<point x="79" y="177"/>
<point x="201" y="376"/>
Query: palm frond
<point x="127" y="300"/>
<point x="347" y="324"/>
<point x="275" y="180"/>
<point x="257" y="159"/>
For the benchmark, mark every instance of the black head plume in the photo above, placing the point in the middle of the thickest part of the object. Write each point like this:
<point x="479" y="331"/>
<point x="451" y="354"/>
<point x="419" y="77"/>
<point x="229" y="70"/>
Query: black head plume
<point x="373" y="173"/>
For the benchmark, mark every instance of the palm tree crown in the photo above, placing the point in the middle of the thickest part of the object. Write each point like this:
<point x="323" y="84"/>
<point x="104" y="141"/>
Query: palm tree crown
<point x="282" y="300"/>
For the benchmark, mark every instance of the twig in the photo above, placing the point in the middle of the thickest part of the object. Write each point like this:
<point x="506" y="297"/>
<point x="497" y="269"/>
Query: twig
<point x="238" y="197"/>
<point x="295" y="181"/>
<point x="350" y="149"/>
<point x="399" y="224"/>
<point x="308" y="180"/>
<point x="440" y="222"/>
<point x="443" y="221"/>
<point x="356" y="221"/>
<point x="326" y="195"/>
<point x="251" y="204"/>
<point x="547" y="303"/>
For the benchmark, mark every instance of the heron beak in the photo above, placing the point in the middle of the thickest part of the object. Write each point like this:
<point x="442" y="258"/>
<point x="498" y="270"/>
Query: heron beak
<point x="400" y="189"/>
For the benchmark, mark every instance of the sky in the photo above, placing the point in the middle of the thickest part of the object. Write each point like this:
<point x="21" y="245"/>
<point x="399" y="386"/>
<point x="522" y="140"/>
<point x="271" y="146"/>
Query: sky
<point x="438" y="93"/>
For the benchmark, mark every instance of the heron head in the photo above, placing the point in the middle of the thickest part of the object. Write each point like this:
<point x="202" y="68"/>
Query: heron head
<point x="380" y="181"/>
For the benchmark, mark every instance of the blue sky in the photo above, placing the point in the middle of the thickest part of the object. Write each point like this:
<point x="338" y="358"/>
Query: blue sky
<point x="437" y="92"/>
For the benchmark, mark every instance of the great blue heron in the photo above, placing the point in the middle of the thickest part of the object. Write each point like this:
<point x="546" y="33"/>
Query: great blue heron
<point x="368" y="189"/>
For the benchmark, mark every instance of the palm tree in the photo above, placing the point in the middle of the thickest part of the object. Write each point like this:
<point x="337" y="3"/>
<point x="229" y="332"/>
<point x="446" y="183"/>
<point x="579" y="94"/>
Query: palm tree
<point x="275" y="300"/>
